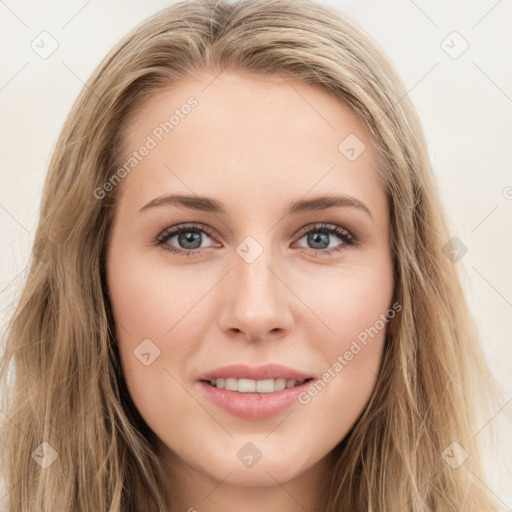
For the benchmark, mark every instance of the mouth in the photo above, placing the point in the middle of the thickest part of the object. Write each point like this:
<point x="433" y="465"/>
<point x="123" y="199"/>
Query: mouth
<point x="255" y="387"/>
<point x="254" y="399"/>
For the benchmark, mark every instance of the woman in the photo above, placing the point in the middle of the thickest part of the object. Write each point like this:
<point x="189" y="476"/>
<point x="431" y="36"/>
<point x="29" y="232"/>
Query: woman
<point x="275" y="367"/>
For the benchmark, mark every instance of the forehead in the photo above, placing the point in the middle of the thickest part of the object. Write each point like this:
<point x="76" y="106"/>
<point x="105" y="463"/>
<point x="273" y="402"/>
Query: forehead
<point x="251" y="134"/>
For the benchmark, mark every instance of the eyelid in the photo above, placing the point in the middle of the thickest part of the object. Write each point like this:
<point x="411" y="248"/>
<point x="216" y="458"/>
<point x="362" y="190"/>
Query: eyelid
<point x="165" y="234"/>
<point x="325" y="226"/>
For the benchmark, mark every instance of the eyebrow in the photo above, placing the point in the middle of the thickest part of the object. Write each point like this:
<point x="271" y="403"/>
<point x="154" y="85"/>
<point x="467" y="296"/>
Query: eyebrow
<point x="210" y="205"/>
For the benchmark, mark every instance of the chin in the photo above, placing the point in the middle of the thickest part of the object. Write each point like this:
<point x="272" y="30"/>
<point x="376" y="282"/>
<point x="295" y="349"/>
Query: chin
<point x="272" y="468"/>
<point x="260" y="475"/>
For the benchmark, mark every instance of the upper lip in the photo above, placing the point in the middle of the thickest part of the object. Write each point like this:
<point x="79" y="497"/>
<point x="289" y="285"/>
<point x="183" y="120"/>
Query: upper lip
<point x="268" y="371"/>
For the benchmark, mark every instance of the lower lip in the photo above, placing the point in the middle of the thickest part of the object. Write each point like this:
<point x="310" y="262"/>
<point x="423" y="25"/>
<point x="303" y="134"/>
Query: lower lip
<point x="254" y="406"/>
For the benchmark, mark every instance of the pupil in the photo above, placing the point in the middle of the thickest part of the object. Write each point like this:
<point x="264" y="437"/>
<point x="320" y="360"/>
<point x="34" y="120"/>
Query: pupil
<point x="315" y="238"/>
<point x="190" y="237"/>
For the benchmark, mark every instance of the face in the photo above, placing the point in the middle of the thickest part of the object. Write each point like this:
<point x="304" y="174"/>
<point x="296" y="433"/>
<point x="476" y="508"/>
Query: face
<point x="250" y="279"/>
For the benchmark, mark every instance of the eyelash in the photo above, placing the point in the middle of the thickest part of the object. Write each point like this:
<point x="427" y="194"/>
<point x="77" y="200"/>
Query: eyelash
<point x="346" y="237"/>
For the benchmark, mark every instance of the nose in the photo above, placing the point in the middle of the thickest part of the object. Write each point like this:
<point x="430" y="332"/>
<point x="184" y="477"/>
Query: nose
<point x="256" y="303"/>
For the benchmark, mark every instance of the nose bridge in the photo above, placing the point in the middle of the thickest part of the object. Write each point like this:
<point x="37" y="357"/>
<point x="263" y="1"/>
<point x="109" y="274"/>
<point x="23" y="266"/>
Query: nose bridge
<point x="254" y="280"/>
<point x="256" y="300"/>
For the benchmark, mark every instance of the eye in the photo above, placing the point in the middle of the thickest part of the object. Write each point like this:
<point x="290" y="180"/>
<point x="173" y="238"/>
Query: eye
<point x="318" y="237"/>
<point x="189" y="237"/>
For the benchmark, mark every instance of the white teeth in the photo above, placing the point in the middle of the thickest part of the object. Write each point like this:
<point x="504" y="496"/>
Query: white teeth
<point x="254" y="386"/>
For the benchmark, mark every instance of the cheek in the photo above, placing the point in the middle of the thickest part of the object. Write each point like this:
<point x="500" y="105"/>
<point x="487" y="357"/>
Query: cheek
<point x="353" y="312"/>
<point x="349" y="302"/>
<point x="150" y="308"/>
<point x="147" y="300"/>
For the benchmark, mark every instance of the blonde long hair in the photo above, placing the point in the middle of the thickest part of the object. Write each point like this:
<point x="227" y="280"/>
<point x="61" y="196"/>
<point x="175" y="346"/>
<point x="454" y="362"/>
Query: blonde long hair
<point x="61" y="373"/>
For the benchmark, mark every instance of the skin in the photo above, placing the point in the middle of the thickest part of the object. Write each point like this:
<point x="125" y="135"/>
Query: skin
<point x="256" y="145"/>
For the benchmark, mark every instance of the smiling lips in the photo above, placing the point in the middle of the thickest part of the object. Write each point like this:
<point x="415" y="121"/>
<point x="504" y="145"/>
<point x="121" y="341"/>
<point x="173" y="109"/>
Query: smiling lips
<point x="254" y="392"/>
